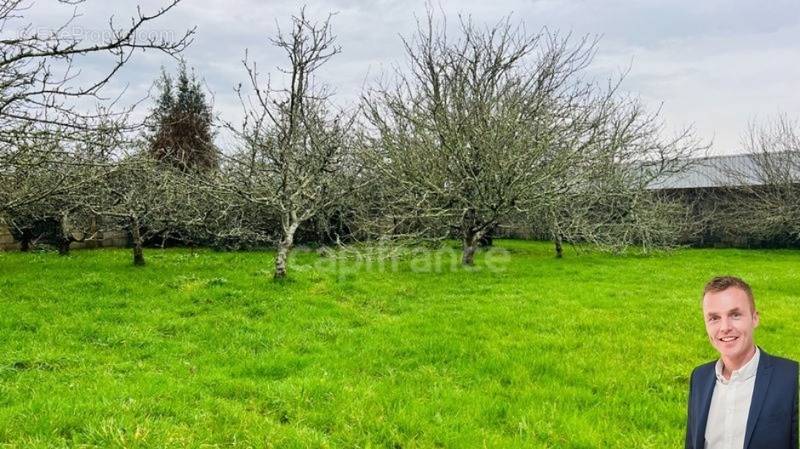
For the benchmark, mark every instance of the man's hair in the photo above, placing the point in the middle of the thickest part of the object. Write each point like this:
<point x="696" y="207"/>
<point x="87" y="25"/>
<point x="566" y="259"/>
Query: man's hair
<point x="722" y="283"/>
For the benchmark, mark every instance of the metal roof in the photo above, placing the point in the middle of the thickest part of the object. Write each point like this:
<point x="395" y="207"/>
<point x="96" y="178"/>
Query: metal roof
<point x="729" y="170"/>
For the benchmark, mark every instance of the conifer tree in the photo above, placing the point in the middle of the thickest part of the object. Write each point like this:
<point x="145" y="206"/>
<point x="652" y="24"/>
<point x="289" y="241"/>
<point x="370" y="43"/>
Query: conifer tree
<point x="180" y="125"/>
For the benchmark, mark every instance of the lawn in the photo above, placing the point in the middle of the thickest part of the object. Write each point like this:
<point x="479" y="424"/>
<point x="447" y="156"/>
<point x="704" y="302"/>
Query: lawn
<point x="205" y="350"/>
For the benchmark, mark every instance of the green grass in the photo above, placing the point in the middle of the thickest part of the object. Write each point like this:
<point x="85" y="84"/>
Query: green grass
<point x="205" y="350"/>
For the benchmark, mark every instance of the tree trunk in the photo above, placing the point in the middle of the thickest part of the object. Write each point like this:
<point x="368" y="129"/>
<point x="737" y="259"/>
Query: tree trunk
<point x="138" y="255"/>
<point x="284" y="247"/>
<point x="470" y="245"/>
<point x="487" y="239"/>
<point x="64" y="237"/>
<point x="136" y="236"/>
<point x="558" y="242"/>
<point x="25" y="241"/>
<point x="63" y="247"/>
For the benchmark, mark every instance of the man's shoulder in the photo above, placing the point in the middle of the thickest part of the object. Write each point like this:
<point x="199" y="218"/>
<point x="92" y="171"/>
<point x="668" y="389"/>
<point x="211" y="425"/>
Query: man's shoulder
<point x="781" y="363"/>
<point x="704" y="369"/>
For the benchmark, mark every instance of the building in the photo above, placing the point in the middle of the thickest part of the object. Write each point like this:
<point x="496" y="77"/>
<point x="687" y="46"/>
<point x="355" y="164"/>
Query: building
<point x="722" y="190"/>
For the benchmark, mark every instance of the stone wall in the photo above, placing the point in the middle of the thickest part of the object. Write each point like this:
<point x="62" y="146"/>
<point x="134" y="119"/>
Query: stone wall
<point x="117" y="239"/>
<point x="7" y="242"/>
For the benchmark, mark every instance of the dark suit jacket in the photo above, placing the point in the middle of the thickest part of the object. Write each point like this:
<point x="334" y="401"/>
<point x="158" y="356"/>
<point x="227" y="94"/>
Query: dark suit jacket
<point x="772" y="421"/>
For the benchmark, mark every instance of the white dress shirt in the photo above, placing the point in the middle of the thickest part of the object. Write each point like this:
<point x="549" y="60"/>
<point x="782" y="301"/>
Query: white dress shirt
<point x="730" y="405"/>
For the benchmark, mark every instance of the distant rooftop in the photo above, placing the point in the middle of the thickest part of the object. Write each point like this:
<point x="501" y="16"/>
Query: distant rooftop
<point x="722" y="171"/>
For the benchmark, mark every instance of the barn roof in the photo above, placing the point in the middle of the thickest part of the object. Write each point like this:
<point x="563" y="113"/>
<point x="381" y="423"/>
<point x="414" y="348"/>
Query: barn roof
<point x="727" y="170"/>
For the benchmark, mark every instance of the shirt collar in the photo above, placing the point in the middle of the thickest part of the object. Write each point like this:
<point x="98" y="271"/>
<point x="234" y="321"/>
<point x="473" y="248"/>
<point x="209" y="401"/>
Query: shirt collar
<point x="740" y="375"/>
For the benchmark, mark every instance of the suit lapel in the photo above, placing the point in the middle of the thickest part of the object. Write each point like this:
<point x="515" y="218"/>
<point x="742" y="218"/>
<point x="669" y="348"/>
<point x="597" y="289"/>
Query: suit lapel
<point x="763" y="376"/>
<point x="706" y="391"/>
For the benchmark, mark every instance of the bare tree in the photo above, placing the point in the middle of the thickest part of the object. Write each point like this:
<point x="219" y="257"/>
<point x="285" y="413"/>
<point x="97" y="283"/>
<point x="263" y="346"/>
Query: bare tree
<point x="150" y="198"/>
<point x="41" y="97"/>
<point x="469" y="136"/>
<point x="763" y="197"/>
<point x="56" y="188"/>
<point x="294" y="157"/>
<point x="607" y="197"/>
<point x="497" y="125"/>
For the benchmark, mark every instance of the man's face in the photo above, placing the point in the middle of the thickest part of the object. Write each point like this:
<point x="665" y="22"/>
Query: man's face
<point x="730" y="321"/>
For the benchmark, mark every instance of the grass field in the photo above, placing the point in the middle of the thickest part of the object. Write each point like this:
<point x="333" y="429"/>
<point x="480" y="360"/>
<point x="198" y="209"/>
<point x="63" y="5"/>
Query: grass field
<point x="204" y="350"/>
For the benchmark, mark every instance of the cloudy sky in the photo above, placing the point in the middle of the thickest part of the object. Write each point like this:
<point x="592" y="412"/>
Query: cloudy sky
<point x="716" y="65"/>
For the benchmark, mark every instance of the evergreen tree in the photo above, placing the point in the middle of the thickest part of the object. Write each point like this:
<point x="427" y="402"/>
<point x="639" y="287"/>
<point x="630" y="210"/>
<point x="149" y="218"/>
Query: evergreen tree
<point x="180" y="130"/>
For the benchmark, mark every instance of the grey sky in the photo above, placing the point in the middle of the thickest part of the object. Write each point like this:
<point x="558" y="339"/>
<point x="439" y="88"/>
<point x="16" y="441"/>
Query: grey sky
<point x="714" y="64"/>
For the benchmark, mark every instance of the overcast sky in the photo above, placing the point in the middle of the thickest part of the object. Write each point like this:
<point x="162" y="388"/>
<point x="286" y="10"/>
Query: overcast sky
<point x="716" y="65"/>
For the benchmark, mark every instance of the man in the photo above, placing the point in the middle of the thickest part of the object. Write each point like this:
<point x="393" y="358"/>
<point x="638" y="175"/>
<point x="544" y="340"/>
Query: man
<point x="747" y="399"/>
